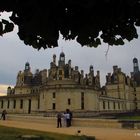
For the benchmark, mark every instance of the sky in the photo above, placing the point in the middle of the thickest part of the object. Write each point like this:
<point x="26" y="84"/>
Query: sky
<point x="14" y="54"/>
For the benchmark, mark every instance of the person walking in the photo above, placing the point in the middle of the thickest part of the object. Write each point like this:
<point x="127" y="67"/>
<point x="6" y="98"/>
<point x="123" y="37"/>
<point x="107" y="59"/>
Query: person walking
<point x="59" y="123"/>
<point x="3" y="115"/>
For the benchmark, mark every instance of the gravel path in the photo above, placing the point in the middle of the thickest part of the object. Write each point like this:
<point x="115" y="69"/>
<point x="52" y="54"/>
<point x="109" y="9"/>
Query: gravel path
<point x="99" y="133"/>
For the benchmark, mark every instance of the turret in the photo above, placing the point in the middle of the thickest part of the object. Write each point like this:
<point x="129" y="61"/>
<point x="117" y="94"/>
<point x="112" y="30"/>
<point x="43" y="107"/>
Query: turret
<point x="82" y="73"/>
<point x="108" y="78"/>
<point x="82" y="77"/>
<point x="90" y="76"/>
<point x="86" y="79"/>
<point x="135" y="75"/>
<point x="9" y="90"/>
<point x="51" y="65"/>
<point x="97" y="79"/>
<point x="69" y="63"/>
<point x="27" y="67"/>
<point x="76" y="68"/>
<point x="70" y="71"/>
<point x="115" y="74"/>
<point x="115" y="69"/>
<point x="62" y="59"/>
<point x="91" y="69"/>
<point x="54" y="59"/>
<point x="98" y="73"/>
<point x="135" y="65"/>
<point x="27" y="74"/>
<point x="37" y="72"/>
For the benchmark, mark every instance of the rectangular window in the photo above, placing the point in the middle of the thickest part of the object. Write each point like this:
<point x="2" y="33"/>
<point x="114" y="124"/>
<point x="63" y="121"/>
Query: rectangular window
<point x="38" y="103"/>
<point x="102" y="92"/>
<point x="82" y="100"/>
<point x="2" y="104"/>
<point x="108" y="105"/>
<point x="14" y="104"/>
<point x="53" y="106"/>
<point x="60" y="78"/>
<point x="118" y="105"/>
<point x="60" y="72"/>
<point x="114" y="105"/>
<point x="21" y="104"/>
<point x="122" y="106"/>
<point x="8" y="104"/>
<point x="53" y="94"/>
<point x="103" y="104"/>
<point x="125" y="106"/>
<point x="69" y="101"/>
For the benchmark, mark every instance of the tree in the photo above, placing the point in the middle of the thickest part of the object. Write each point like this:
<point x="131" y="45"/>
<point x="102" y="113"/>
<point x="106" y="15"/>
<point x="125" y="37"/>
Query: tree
<point x="88" y="21"/>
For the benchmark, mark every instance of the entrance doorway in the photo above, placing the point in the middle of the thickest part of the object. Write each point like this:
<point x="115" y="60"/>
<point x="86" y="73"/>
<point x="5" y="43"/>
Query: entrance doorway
<point x="29" y="107"/>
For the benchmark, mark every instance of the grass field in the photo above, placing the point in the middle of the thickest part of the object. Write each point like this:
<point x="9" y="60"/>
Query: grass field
<point x="9" y="133"/>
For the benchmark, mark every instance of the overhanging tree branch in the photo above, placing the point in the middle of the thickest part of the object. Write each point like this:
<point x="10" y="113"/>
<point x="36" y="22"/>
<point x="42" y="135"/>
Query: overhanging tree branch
<point x="39" y="22"/>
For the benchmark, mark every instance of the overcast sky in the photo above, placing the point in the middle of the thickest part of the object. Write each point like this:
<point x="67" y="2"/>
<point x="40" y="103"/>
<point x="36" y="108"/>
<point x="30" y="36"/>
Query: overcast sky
<point x="14" y="54"/>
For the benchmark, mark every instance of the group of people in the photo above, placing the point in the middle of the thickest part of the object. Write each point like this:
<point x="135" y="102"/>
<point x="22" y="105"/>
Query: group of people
<point x="66" y="117"/>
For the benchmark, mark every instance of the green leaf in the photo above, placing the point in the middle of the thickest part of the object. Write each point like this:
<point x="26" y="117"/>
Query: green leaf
<point x="5" y="21"/>
<point x="120" y="41"/>
<point x="137" y="23"/>
<point x="98" y="41"/>
<point x="1" y="28"/>
<point x="9" y="27"/>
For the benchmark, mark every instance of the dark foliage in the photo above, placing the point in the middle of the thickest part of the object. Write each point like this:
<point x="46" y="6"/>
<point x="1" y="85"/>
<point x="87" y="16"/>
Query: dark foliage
<point x="87" y="21"/>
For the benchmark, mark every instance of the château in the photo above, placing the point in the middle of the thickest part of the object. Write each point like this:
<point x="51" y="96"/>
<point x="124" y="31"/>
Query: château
<point x="63" y="86"/>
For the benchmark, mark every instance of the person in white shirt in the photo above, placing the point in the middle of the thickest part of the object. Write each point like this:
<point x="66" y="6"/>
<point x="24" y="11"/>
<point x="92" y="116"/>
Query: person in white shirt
<point x="64" y="119"/>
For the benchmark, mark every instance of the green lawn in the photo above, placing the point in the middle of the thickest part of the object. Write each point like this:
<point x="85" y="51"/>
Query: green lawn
<point x="9" y="133"/>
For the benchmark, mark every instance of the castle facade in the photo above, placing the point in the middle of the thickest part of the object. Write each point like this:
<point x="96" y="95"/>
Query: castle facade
<point x="65" y="87"/>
